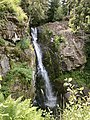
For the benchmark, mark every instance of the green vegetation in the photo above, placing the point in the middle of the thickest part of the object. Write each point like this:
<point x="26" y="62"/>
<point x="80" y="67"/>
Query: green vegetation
<point x="13" y="7"/>
<point x="58" y="15"/>
<point x="77" y="112"/>
<point x="20" y="72"/>
<point x="41" y="11"/>
<point x="11" y="109"/>
<point x="80" y="15"/>
<point x="58" y="39"/>
<point x="2" y="42"/>
<point x="18" y="80"/>
<point x="45" y="35"/>
<point x="36" y="10"/>
<point x="79" y="108"/>
<point x="24" y="43"/>
<point x="81" y="77"/>
<point x="55" y="11"/>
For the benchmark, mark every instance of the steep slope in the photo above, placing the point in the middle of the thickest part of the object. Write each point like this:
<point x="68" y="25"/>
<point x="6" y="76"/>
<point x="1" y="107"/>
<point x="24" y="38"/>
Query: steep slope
<point x="17" y="57"/>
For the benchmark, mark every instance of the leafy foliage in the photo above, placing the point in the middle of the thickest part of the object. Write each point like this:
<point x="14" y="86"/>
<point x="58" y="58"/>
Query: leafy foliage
<point x="81" y="77"/>
<point x="20" y="72"/>
<point x="24" y="43"/>
<point x="58" y="14"/>
<point x="11" y="109"/>
<point x="18" y="109"/>
<point x="77" y="112"/>
<point x="13" y="7"/>
<point x="55" y="10"/>
<point x="58" y="40"/>
<point x="65" y="7"/>
<point x="79" y="108"/>
<point x="2" y="42"/>
<point x="36" y="10"/>
<point x="80" y="15"/>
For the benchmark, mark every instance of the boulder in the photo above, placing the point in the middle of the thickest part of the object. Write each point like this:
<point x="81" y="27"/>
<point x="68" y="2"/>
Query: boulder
<point x="62" y="50"/>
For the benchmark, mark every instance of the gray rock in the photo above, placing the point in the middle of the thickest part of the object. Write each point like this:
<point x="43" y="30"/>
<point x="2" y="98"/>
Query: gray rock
<point x="4" y="63"/>
<point x="73" y="53"/>
<point x="70" y="50"/>
<point x="11" y="30"/>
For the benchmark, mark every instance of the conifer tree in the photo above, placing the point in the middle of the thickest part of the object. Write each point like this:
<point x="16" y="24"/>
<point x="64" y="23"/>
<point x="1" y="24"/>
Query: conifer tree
<point x="53" y="5"/>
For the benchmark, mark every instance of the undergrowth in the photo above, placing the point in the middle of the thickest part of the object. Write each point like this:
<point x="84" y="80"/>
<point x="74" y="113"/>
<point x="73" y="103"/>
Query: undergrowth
<point x="13" y="7"/>
<point x="19" y="72"/>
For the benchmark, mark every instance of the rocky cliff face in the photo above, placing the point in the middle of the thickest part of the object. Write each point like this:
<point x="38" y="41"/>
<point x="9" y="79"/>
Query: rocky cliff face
<point x="62" y="50"/>
<point x="63" y="53"/>
<point x="11" y="30"/>
<point x="15" y="48"/>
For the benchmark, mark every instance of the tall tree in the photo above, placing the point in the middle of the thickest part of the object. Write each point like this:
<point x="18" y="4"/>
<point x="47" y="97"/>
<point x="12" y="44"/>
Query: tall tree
<point x="53" y="5"/>
<point x="64" y="7"/>
<point x="36" y="10"/>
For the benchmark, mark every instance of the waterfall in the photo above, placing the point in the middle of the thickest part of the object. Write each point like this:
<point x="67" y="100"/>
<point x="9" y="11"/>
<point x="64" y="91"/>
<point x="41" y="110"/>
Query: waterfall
<point x="50" y="98"/>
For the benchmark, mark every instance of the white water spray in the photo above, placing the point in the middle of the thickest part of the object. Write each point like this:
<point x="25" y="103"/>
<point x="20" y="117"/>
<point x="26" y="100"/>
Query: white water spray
<point x="51" y="99"/>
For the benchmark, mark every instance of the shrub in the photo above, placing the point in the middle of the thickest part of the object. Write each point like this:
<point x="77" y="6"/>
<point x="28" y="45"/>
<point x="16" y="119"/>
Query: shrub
<point x="55" y="11"/>
<point x="36" y="10"/>
<point x="79" y="16"/>
<point x="59" y="39"/>
<point x="79" y="107"/>
<point x="13" y="6"/>
<point x="12" y="109"/>
<point x="77" y="113"/>
<point x="24" y="43"/>
<point x="20" y="72"/>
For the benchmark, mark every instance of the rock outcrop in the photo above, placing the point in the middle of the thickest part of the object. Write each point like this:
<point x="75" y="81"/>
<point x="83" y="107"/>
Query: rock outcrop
<point x="62" y="50"/>
<point x="16" y="48"/>
<point x="11" y="30"/>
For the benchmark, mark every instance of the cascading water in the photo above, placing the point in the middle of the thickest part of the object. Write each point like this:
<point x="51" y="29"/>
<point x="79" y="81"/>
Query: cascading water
<point x="50" y="98"/>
